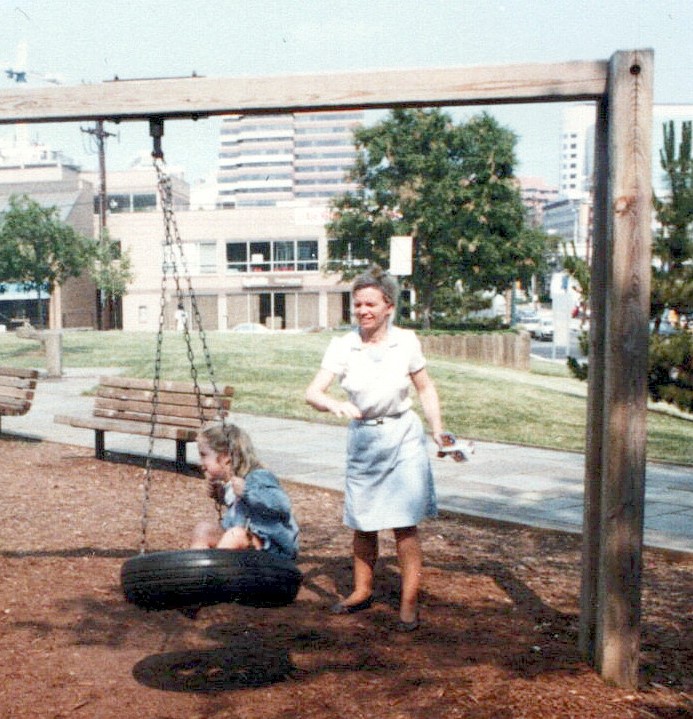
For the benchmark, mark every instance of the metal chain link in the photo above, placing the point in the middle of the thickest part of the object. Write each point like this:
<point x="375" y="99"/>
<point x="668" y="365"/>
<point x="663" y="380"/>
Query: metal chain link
<point x="146" y="489"/>
<point x="172" y="239"/>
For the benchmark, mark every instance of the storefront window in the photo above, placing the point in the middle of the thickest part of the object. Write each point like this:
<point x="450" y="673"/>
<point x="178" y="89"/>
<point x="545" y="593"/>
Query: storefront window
<point x="237" y="256"/>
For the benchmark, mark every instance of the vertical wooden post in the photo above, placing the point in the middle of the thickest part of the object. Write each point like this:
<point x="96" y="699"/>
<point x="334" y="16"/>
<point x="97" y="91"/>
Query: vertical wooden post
<point x="629" y="211"/>
<point x="600" y="272"/>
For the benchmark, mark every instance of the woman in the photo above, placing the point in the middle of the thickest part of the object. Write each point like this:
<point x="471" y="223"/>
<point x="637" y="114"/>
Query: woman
<point x="389" y="484"/>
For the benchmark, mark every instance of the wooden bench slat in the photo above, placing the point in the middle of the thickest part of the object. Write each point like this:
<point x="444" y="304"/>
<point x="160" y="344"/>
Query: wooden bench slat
<point x="161" y="431"/>
<point x="16" y="390"/>
<point x="164" y="385"/>
<point x="18" y="372"/>
<point x="145" y="408"/>
<point x="172" y="398"/>
<point x="9" y="407"/>
<point x="193" y="422"/>
<point x="16" y="393"/>
<point x="22" y="382"/>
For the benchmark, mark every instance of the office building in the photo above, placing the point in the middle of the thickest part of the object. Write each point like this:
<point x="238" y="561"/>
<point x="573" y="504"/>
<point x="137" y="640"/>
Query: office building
<point x="266" y="160"/>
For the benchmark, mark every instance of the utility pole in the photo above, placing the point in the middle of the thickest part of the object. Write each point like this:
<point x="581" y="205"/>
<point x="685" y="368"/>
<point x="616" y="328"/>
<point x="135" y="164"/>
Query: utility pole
<point x="103" y="304"/>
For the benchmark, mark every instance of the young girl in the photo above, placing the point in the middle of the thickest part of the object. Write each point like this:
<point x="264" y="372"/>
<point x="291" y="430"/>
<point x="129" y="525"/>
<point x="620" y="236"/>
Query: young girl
<point x="258" y="514"/>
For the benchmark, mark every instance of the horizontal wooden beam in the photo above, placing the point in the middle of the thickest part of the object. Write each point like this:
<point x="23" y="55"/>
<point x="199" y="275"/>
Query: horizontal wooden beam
<point x="194" y="97"/>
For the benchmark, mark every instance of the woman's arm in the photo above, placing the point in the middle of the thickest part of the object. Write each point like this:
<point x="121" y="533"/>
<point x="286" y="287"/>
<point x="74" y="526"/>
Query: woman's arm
<point x="428" y="394"/>
<point x="317" y="397"/>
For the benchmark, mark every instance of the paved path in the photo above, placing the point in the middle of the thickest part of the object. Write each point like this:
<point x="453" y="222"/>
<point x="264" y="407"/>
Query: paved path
<point x="503" y="482"/>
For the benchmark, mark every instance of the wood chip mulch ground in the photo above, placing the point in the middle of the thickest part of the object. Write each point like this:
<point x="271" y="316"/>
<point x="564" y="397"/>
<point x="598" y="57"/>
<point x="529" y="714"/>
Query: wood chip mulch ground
<point x="499" y="615"/>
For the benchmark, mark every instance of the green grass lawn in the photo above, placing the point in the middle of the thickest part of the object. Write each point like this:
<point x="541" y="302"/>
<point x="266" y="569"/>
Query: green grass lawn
<point x="544" y="407"/>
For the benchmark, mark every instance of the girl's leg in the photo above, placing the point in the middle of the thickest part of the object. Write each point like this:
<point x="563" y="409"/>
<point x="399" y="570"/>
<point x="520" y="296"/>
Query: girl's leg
<point x="410" y="563"/>
<point x="205" y="535"/>
<point x="236" y="538"/>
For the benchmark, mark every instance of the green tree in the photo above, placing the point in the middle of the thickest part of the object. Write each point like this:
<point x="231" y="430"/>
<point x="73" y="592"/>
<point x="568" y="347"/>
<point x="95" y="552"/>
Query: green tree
<point x="672" y="272"/>
<point x="670" y="364"/>
<point x="111" y="270"/>
<point x="38" y="250"/>
<point x="450" y="187"/>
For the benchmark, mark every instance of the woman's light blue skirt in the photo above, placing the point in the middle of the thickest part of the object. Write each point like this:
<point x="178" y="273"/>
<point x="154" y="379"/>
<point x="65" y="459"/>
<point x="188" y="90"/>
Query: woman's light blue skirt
<point x="389" y="483"/>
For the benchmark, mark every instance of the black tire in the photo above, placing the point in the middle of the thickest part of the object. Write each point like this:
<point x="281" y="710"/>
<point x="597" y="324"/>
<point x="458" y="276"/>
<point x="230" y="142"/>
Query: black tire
<point x="198" y="577"/>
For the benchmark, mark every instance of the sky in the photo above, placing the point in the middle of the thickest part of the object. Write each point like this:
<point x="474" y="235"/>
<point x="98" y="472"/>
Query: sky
<point x="94" y="40"/>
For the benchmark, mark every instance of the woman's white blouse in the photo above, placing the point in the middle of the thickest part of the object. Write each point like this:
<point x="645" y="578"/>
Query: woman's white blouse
<point x="376" y="378"/>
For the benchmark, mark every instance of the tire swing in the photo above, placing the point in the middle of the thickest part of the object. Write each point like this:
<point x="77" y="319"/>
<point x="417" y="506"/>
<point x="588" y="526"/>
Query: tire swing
<point x="192" y="578"/>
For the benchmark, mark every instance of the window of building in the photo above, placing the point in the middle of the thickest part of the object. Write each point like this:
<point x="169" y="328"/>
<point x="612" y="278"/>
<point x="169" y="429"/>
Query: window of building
<point x="237" y="256"/>
<point x="307" y="255"/>
<point x="144" y="203"/>
<point x="272" y="256"/>
<point x="260" y="257"/>
<point x="118" y="203"/>
<point x="207" y="258"/>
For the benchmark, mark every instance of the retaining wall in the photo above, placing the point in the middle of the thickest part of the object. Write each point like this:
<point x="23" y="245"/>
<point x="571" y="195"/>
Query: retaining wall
<point x="505" y="349"/>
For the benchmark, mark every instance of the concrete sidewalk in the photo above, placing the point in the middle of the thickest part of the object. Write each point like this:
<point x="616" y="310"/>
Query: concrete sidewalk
<point x="508" y="483"/>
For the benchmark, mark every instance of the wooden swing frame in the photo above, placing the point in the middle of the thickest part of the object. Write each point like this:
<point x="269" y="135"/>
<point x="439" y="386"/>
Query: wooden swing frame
<point x="622" y="89"/>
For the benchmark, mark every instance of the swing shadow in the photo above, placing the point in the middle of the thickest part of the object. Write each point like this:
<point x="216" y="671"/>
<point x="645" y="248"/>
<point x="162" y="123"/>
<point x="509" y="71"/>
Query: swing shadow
<point x="252" y="661"/>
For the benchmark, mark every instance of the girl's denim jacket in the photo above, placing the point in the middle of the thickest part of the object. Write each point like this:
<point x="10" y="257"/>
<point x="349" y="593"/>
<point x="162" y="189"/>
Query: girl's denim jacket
<point x="264" y="509"/>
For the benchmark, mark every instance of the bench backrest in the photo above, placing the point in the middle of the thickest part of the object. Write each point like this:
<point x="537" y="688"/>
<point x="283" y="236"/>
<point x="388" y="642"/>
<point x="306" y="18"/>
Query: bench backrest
<point x="131" y="399"/>
<point x="16" y="390"/>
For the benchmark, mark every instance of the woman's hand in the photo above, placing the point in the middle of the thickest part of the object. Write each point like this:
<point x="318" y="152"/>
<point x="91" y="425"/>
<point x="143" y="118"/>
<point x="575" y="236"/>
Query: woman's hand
<point x="344" y="409"/>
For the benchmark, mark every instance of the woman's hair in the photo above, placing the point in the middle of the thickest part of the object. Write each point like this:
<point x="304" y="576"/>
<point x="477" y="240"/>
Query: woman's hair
<point x="232" y="440"/>
<point x="376" y="277"/>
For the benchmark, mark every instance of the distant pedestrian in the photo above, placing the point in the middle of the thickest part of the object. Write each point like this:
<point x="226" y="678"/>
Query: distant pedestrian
<point x="181" y="318"/>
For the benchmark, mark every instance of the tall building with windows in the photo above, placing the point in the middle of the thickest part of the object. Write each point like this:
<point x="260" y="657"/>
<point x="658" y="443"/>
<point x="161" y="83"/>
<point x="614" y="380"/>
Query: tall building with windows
<point x="266" y="160"/>
<point x="570" y="215"/>
<point x="577" y="146"/>
<point x="576" y="151"/>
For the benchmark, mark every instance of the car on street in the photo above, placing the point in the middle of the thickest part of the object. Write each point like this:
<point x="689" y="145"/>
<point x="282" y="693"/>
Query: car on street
<point x="251" y="327"/>
<point x="528" y="321"/>
<point x="545" y="330"/>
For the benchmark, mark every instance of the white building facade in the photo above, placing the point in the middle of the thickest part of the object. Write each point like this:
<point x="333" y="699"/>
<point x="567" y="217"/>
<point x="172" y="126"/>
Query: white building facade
<point x="265" y="160"/>
<point x="255" y="264"/>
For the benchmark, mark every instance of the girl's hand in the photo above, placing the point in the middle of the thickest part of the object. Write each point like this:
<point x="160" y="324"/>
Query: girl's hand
<point x="238" y="484"/>
<point x="215" y="490"/>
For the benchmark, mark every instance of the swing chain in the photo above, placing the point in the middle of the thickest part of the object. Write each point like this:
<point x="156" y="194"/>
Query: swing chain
<point x="146" y="489"/>
<point x="173" y="240"/>
<point x="173" y="248"/>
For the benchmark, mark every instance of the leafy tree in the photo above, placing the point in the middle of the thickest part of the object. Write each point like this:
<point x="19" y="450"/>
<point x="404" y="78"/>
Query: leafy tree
<point x="670" y="365"/>
<point x="672" y="273"/>
<point x="38" y="250"/>
<point x="450" y="187"/>
<point x="111" y="271"/>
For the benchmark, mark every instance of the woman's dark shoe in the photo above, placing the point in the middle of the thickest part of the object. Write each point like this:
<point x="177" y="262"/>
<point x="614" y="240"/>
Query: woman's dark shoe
<point x="404" y="627"/>
<point x="341" y="608"/>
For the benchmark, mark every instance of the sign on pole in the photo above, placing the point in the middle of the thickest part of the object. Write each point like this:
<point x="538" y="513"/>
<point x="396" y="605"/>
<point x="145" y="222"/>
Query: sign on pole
<point x="401" y="255"/>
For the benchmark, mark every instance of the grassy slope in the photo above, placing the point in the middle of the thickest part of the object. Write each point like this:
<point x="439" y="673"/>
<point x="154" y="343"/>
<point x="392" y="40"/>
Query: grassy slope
<point x="270" y="374"/>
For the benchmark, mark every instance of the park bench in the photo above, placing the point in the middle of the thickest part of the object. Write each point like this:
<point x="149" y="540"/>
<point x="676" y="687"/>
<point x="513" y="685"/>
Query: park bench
<point x="124" y="404"/>
<point x="16" y="390"/>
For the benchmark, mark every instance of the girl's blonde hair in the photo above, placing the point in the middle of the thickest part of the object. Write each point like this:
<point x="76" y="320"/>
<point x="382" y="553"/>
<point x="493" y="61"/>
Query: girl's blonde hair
<point x="232" y="440"/>
<point x="376" y="277"/>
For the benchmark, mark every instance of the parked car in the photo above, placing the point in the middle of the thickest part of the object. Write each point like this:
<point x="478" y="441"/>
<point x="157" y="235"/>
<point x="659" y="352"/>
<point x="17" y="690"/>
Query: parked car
<point x="545" y="331"/>
<point x="528" y="321"/>
<point x="251" y="327"/>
